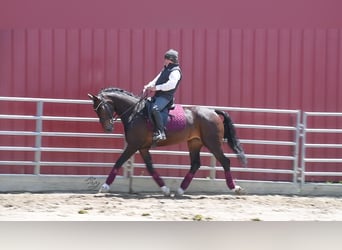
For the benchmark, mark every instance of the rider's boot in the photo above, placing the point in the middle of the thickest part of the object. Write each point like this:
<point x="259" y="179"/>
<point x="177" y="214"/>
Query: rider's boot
<point x="159" y="134"/>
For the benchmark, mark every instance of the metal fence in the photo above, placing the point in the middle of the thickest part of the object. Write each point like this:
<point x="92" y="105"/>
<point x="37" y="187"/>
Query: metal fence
<point x="279" y="133"/>
<point x="322" y="146"/>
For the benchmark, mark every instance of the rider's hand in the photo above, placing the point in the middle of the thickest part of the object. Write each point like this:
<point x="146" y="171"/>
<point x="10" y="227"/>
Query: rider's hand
<point x="153" y="89"/>
<point x="149" y="88"/>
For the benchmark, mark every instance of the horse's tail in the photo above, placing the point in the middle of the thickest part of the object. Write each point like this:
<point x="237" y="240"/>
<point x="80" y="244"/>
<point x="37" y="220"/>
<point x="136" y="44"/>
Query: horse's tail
<point x="230" y="135"/>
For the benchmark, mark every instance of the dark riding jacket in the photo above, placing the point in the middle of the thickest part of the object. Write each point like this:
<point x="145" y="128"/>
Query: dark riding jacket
<point x="164" y="77"/>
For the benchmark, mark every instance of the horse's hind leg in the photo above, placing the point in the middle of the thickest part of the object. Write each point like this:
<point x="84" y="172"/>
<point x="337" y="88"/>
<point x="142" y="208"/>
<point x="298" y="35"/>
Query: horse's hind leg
<point x="195" y="146"/>
<point x="216" y="149"/>
<point x="145" y="154"/>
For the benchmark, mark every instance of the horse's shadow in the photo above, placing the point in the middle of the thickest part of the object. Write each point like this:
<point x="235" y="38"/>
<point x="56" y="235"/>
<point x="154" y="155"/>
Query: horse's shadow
<point x="158" y="196"/>
<point x="139" y="196"/>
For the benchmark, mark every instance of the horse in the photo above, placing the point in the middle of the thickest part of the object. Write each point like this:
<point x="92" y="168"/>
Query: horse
<point x="201" y="127"/>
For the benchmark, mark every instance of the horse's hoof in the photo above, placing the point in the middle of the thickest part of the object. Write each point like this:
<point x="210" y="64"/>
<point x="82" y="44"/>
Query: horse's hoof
<point x="239" y="190"/>
<point x="166" y="191"/>
<point x="179" y="192"/>
<point x="104" y="188"/>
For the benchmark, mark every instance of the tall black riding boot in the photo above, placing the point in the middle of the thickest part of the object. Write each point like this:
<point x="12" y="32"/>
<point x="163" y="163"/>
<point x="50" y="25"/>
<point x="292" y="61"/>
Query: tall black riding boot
<point x="159" y="135"/>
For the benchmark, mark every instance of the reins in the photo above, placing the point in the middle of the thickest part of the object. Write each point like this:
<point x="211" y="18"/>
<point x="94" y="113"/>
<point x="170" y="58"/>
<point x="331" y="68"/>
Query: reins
<point x="142" y="97"/>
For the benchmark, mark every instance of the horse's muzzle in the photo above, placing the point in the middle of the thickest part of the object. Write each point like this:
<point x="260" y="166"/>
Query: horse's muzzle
<point x="108" y="128"/>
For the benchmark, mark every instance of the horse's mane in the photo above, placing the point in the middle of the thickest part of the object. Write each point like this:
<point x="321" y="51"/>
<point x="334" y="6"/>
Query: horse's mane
<point x="116" y="90"/>
<point x="138" y="106"/>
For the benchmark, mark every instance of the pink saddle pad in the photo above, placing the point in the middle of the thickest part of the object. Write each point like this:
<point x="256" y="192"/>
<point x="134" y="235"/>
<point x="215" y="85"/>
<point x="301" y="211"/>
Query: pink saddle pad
<point x="176" y="119"/>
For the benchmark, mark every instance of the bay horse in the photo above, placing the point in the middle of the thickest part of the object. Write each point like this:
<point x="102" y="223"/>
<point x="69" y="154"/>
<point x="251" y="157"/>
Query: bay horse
<point x="202" y="127"/>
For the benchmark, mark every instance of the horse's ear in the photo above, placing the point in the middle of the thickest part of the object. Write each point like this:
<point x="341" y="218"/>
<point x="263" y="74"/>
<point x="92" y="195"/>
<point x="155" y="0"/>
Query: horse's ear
<point x="92" y="97"/>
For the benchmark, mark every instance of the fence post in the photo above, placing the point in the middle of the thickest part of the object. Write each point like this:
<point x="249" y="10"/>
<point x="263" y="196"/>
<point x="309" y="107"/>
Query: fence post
<point x="38" y="141"/>
<point x="213" y="165"/>
<point x="299" y="129"/>
<point x="304" y="126"/>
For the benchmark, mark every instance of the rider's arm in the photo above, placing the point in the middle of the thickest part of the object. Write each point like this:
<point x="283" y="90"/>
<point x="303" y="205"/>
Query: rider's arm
<point x="152" y="83"/>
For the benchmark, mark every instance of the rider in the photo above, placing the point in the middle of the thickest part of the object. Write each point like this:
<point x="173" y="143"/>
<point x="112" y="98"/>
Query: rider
<point x="164" y="85"/>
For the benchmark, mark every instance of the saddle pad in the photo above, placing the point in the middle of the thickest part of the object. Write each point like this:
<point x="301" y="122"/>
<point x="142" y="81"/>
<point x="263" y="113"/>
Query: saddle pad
<point x="176" y="119"/>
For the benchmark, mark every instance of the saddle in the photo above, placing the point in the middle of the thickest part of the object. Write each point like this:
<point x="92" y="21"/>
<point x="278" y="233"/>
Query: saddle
<point x="173" y="116"/>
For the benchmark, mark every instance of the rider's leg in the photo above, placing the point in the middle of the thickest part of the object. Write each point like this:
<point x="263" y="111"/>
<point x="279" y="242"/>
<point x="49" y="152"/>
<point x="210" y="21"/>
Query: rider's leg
<point x="159" y="104"/>
<point x="159" y="125"/>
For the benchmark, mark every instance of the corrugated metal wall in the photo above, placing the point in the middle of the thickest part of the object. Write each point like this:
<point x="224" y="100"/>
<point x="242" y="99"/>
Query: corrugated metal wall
<point x="271" y="68"/>
<point x="232" y="53"/>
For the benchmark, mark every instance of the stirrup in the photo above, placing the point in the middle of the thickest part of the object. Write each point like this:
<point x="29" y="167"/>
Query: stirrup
<point x="159" y="136"/>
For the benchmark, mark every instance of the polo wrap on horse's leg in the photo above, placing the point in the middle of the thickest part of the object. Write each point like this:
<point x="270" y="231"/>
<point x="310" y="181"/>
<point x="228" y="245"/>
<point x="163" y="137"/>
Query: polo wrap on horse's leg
<point x="229" y="180"/>
<point x="111" y="176"/>
<point x="158" y="180"/>
<point x="161" y="184"/>
<point x="187" y="179"/>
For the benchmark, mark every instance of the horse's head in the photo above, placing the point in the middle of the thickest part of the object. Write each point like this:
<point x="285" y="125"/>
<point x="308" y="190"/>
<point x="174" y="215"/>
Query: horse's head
<point x="104" y="110"/>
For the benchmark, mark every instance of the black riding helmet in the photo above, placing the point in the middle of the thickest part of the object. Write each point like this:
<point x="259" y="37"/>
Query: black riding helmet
<point x="172" y="55"/>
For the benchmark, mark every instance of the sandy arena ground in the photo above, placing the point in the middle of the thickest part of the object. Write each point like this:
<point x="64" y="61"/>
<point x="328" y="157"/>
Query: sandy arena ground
<point x="155" y="207"/>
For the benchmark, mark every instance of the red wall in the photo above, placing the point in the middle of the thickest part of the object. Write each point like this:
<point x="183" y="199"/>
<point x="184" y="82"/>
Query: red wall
<point x="269" y="68"/>
<point x="268" y="53"/>
<point x="273" y="54"/>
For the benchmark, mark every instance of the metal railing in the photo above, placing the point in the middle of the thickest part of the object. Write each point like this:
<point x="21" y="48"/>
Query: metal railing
<point x="39" y="133"/>
<point x="309" y="130"/>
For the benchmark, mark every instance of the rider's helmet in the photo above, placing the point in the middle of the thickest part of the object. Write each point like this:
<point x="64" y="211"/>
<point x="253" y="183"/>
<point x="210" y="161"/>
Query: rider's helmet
<point x="172" y="55"/>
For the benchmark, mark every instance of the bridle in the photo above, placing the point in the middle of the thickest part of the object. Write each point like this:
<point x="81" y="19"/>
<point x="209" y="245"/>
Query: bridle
<point x="116" y="116"/>
<point x="108" y="110"/>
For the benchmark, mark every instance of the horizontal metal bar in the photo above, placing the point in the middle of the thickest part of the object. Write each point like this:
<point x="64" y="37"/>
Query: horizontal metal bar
<point x="263" y="170"/>
<point x="270" y="157"/>
<point x="323" y="113"/>
<point x="62" y="164"/>
<point x="323" y="173"/>
<point x="56" y="149"/>
<point x="323" y="160"/>
<point x="81" y="150"/>
<point x="263" y="110"/>
<point x="13" y="148"/>
<point x="76" y="164"/>
<point x="265" y="127"/>
<point x="266" y="142"/>
<point x="18" y="133"/>
<point x="19" y="117"/>
<point x="17" y="163"/>
<point x="62" y="134"/>
<point x="310" y="145"/>
<point x="48" y="118"/>
<point x="69" y="119"/>
<point x="51" y="100"/>
<point x="322" y="130"/>
<point x="69" y="134"/>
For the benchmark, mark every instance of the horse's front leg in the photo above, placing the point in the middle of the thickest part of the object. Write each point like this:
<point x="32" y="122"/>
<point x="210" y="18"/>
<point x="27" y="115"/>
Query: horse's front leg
<point x="128" y="152"/>
<point x="145" y="154"/>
